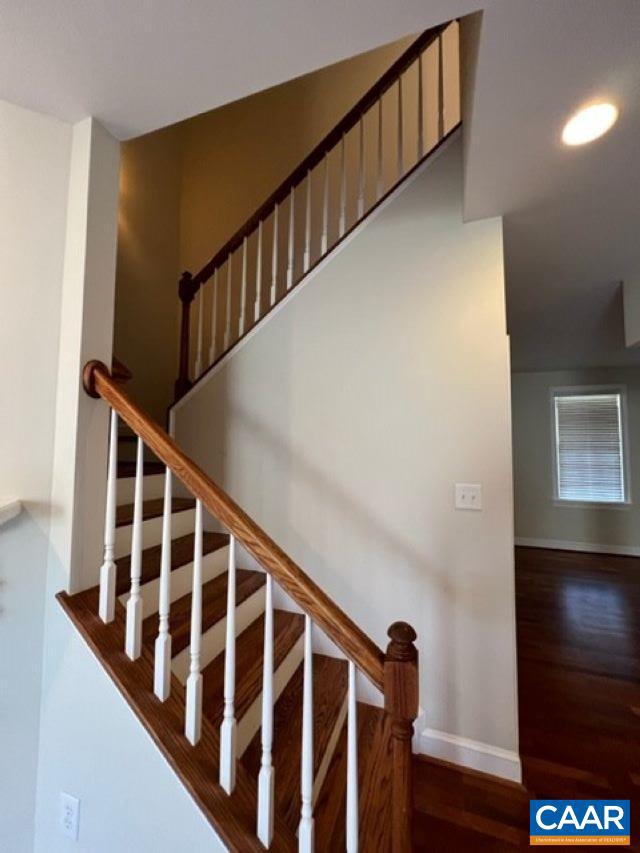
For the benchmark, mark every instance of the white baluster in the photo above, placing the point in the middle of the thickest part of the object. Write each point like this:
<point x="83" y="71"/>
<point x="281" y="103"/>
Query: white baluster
<point x="440" y="88"/>
<point x="400" y="130"/>
<point x="307" y="228"/>
<point x="306" y="825"/>
<point x="292" y="238"/>
<point x="107" y="602"/>
<point x="380" y="164"/>
<point x="274" y="258"/>
<point x="266" y="777"/>
<point x="352" y="765"/>
<point x="133" y="637"/>
<point x="228" y="726"/>
<point x="243" y="290"/>
<point x="198" y="366"/>
<point x="227" y="321"/>
<point x="162" y="661"/>
<point x="420" y="110"/>
<point x="360" y="168"/>
<point x="214" y="318"/>
<point x="193" y="716"/>
<point x="258" y="307"/>
<point x="324" y="240"/>
<point x="342" y="222"/>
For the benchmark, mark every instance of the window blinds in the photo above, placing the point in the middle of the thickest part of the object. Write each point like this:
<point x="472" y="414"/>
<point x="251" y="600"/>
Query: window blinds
<point x="589" y="451"/>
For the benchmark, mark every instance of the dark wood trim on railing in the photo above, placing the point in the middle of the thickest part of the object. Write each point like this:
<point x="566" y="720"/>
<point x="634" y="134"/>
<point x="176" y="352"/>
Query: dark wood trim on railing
<point x="355" y="644"/>
<point x="187" y="290"/>
<point x="332" y="138"/>
<point x="401" y="704"/>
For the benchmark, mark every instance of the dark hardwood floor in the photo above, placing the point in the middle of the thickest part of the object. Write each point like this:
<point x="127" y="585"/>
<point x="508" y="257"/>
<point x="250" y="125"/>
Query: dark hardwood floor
<point x="578" y="621"/>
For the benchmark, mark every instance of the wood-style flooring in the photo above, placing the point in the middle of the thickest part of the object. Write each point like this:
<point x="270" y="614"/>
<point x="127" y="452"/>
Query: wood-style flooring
<point x="578" y="619"/>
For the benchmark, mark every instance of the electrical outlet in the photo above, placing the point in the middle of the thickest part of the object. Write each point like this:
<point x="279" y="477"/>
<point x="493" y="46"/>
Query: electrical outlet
<point x="468" y="496"/>
<point x="69" y="815"/>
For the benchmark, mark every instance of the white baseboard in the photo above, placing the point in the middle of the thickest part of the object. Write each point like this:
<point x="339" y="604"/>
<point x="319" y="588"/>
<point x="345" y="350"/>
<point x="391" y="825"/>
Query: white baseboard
<point x="469" y="753"/>
<point x="586" y="547"/>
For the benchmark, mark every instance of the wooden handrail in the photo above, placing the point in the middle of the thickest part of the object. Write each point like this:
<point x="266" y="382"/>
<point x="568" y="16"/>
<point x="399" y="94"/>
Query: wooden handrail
<point x="355" y="644"/>
<point x="332" y="138"/>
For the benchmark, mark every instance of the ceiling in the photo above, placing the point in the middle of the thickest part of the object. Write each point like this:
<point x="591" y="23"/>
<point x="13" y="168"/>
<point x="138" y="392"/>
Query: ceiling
<point x="572" y="215"/>
<point x="138" y="65"/>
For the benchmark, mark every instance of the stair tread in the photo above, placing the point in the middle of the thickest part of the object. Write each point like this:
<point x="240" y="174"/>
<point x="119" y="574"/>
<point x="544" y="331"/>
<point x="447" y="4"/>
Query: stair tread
<point x="329" y="693"/>
<point x="127" y="468"/>
<point x="374" y="783"/>
<point x="214" y="608"/>
<point x="287" y="628"/>
<point x="181" y="554"/>
<point x="151" y="509"/>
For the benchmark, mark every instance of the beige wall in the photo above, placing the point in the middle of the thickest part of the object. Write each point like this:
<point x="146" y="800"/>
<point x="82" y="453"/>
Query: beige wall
<point x="185" y="190"/>
<point x="343" y="424"/>
<point x="148" y="265"/>
<point x="539" y="519"/>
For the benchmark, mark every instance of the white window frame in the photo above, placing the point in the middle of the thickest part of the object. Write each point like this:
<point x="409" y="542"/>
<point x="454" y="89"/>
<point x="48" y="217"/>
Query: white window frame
<point x="578" y="390"/>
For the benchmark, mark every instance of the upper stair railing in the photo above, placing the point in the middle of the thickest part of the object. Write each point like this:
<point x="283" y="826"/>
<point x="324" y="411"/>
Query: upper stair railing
<point x="395" y="673"/>
<point x="399" y="121"/>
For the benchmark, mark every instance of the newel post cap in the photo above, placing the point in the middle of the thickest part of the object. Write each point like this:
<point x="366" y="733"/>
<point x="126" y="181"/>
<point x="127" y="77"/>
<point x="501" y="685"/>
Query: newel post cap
<point x="187" y="287"/>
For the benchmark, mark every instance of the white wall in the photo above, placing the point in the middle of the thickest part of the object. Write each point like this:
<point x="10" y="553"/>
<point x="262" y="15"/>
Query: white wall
<point x="343" y="424"/>
<point x="538" y="518"/>
<point x="96" y="750"/>
<point x="34" y="173"/>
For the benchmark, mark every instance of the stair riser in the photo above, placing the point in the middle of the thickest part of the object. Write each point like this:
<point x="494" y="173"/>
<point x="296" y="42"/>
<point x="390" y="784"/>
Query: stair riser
<point x="213" y="640"/>
<point x="152" y="487"/>
<point x="252" y="719"/>
<point x="182" y="523"/>
<point x="181" y="581"/>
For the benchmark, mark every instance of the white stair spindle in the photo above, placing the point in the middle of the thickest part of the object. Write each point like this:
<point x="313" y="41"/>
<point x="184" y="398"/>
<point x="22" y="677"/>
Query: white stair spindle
<point x="214" y="318"/>
<point x="162" y="660"/>
<point x="292" y="238"/>
<point x="306" y="825"/>
<point x="193" y="716"/>
<point x="227" y="321"/>
<point x="243" y="291"/>
<point x="257" y="306"/>
<point x="360" y="168"/>
<point x="352" y="764"/>
<point x="420" y="110"/>
<point x="228" y="726"/>
<point x="324" y="240"/>
<point x="133" y="637"/>
<point x="198" y="366"/>
<point x="400" y="130"/>
<point x="266" y="776"/>
<point x="379" y="184"/>
<point x="274" y="258"/>
<point x="342" y="222"/>
<point x="306" y="263"/>
<point x="107" y="602"/>
<point x="440" y="89"/>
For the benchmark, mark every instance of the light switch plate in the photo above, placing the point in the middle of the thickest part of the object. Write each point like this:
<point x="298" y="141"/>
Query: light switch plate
<point x="468" y="496"/>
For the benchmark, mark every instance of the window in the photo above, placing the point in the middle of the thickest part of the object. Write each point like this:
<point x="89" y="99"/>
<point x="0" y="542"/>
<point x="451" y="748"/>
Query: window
<point x="589" y="446"/>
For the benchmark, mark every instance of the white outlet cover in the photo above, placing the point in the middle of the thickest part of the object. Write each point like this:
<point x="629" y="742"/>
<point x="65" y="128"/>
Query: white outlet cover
<point x="468" y="496"/>
<point x="69" y="815"/>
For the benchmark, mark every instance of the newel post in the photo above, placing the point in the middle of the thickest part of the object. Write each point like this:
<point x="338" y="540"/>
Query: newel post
<point x="187" y="289"/>
<point x="401" y="703"/>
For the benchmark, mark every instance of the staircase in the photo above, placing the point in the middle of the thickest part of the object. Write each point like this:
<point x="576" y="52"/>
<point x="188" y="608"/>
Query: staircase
<point x="209" y="630"/>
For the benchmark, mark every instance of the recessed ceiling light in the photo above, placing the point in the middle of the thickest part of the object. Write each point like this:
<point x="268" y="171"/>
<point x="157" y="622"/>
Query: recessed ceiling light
<point x="589" y="123"/>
